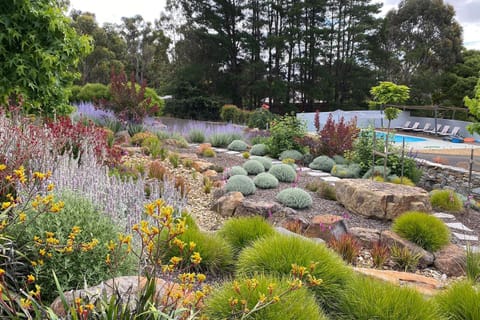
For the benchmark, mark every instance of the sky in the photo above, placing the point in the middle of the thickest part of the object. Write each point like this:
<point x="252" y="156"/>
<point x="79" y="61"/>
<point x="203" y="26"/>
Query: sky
<point x="467" y="13"/>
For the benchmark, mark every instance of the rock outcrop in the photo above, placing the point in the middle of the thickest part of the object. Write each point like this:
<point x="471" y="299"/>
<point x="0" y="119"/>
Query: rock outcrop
<point x="451" y="260"/>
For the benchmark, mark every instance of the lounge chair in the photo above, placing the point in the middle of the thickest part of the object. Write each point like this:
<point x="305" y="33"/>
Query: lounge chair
<point x="433" y="131"/>
<point x="415" y="126"/>
<point x="426" y="127"/>
<point x="444" y="131"/>
<point x="454" y="132"/>
<point x="406" y="125"/>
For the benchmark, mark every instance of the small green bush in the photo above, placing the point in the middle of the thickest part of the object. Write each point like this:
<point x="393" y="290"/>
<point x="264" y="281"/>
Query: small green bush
<point x="342" y="171"/>
<point x="375" y="171"/>
<point x="339" y="159"/>
<point x="267" y="162"/>
<point x="276" y="254"/>
<point x="368" y="298"/>
<point x="323" y="163"/>
<point x="93" y="92"/>
<point x="196" y="136"/>
<point x="283" y="172"/>
<point x="237" y="171"/>
<point x="259" y="139"/>
<point x="230" y="113"/>
<point x="241" y="232"/>
<point x="446" y="200"/>
<point x="209" y="153"/>
<point x="259" y="149"/>
<point x="237" y="145"/>
<point x="298" y="304"/>
<point x="402" y="180"/>
<point x="241" y="184"/>
<point x="284" y="135"/>
<point x="265" y="180"/>
<point x="423" y="229"/>
<point x="295" y="198"/>
<point x="260" y="118"/>
<point x="253" y="167"/>
<point x="459" y="302"/>
<point x="291" y="154"/>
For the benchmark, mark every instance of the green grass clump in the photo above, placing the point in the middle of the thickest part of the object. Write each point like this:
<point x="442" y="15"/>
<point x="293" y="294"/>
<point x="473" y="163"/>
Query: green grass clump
<point x="196" y="136"/>
<point x="237" y="171"/>
<point x="222" y="140"/>
<point x="291" y="154"/>
<point x="323" y="163"/>
<point x="237" y="145"/>
<point x="294" y="305"/>
<point x="276" y="254"/>
<point x="423" y="229"/>
<point x="209" y="153"/>
<point x="472" y="264"/>
<point x="283" y="172"/>
<point x="295" y="198"/>
<point x="267" y="162"/>
<point x="265" y="180"/>
<point x="459" y="302"/>
<point x="241" y="232"/>
<point x="259" y="149"/>
<point x="241" y="184"/>
<point x="402" y="180"/>
<point x="343" y="171"/>
<point x="253" y="167"/>
<point x="367" y="298"/>
<point x="446" y="200"/>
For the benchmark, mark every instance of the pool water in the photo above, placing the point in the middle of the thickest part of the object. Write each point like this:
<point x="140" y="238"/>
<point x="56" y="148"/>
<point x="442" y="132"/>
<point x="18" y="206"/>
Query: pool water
<point x="398" y="138"/>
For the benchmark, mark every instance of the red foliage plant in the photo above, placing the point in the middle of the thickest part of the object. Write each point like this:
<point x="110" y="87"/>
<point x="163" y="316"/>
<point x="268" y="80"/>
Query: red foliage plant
<point x="336" y="138"/>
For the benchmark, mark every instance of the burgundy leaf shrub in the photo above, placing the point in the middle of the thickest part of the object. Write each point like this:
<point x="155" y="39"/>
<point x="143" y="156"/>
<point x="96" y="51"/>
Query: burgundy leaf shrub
<point x="336" y="138"/>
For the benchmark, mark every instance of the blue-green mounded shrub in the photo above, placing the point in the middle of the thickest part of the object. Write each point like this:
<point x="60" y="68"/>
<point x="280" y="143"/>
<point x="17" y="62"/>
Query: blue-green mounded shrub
<point x="267" y="162"/>
<point x="295" y="198"/>
<point x="283" y="172"/>
<point x="375" y="171"/>
<point x="237" y="145"/>
<point x="339" y="159"/>
<point x="298" y="304"/>
<point x="253" y="167"/>
<point x="460" y="301"/>
<point x="291" y="154"/>
<point x="276" y="254"/>
<point x="345" y="171"/>
<point x="259" y="149"/>
<point x="237" y="171"/>
<point x="323" y="163"/>
<point x="241" y="184"/>
<point x="265" y="180"/>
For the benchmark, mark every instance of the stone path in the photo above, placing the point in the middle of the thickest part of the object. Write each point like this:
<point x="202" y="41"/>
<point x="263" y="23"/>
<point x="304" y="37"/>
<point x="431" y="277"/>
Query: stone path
<point x="467" y="236"/>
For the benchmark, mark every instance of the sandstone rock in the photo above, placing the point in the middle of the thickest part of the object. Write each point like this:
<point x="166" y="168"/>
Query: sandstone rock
<point x="326" y="227"/>
<point x="190" y="156"/>
<point x="451" y="260"/>
<point x="425" y="285"/>
<point x="257" y="208"/>
<point x="227" y="204"/>
<point x="390" y="239"/>
<point x="122" y="138"/>
<point x="366" y="237"/>
<point x="380" y="200"/>
<point x="201" y="166"/>
<point x="296" y="224"/>
<point x="287" y="232"/>
<point x="126" y="288"/>
<point x="285" y="212"/>
<point x="210" y="174"/>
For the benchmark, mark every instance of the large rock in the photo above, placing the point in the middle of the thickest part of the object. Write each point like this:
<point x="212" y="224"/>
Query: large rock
<point x="287" y="232"/>
<point x="390" y="238"/>
<point x="367" y="237"/>
<point x="451" y="260"/>
<point x="296" y="224"/>
<point x="227" y="204"/>
<point x="379" y="199"/>
<point x="326" y="227"/>
<point x="255" y="208"/>
<point x="201" y="166"/>
<point x="127" y="289"/>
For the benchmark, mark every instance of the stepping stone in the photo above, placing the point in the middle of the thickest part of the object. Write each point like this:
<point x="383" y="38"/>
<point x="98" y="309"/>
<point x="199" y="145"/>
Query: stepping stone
<point x="232" y="152"/>
<point x="465" y="237"/>
<point x="193" y="144"/>
<point x="318" y="174"/>
<point x="276" y="162"/>
<point x="219" y="150"/>
<point x="330" y="179"/>
<point x="441" y="215"/>
<point x="458" y="226"/>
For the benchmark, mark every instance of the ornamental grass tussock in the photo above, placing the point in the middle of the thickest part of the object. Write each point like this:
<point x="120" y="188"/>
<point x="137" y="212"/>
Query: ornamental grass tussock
<point x="446" y="200"/>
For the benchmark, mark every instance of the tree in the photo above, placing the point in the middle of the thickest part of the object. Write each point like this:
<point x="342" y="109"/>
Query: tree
<point x="473" y="105"/>
<point x="39" y="51"/>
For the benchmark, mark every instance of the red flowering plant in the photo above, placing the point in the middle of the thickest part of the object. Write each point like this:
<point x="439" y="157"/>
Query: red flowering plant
<point x="336" y="138"/>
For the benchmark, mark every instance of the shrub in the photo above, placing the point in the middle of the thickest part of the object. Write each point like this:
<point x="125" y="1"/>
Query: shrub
<point x="198" y="108"/>
<point x="336" y="138"/>
<point x="283" y="172"/>
<point x="323" y="163"/>
<point x="347" y="247"/>
<point x="423" y="229"/>
<point x="265" y="180"/>
<point x="276" y="254"/>
<point x="368" y="298"/>
<point x="222" y="140"/>
<point x="404" y="259"/>
<point x="241" y="232"/>
<point x="237" y="171"/>
<point x="267" y="162"/>
<point x="253" y="167"/>
<point x="295" y="198"/>
<point x="283" y="135"/>
<point x="157" y="170"/>
<point x="402" y="180"/>
<point x="380" y="254"/>
<point x="219" y="303"/>
<point x="291" y="154"/>
<point x="196" y="136"/>
<point x="446" y="200"/>
<point x="153" y="145"/>
<point x="138" y="138"/>
<point x="72" y="270"/>
<point x="209" y="153"/>
<point x="260" y="118"/>
<point x="459" y="302"/>
<point x="343" y="171"/>
<point x="260" y="137"/>
<point x="238" y="145"/>
<point x="93" y="92"/>
<point x="241" y="184"/>
<point x="339" y="159"/>
<point x="258" y="149"/>
<point x="231" y="113"/>
<point x="174" y="159"/>
<point x="246" y="155"/>
<point x="377" y="171"/>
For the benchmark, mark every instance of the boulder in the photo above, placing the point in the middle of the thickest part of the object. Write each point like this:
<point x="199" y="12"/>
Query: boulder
<point x="296" y="224"/>
<point x="366" y="237"/>
<point x="212" y="174"/>
<point x="201" y="166"/>
<point x="287" y="232"/>
<point x="379" y="199"/>
<point x="451" y="260"/>
<point x="390" y="238"/>
<point x="326" y="227"/>
<point x="255" y="208"/>
<point x="425" y="285"/>
<point x="227" y="204"/>
<point x="127" y="289"/>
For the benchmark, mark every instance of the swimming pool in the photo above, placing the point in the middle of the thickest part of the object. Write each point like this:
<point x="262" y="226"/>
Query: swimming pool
<point x="398" y="138"/>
